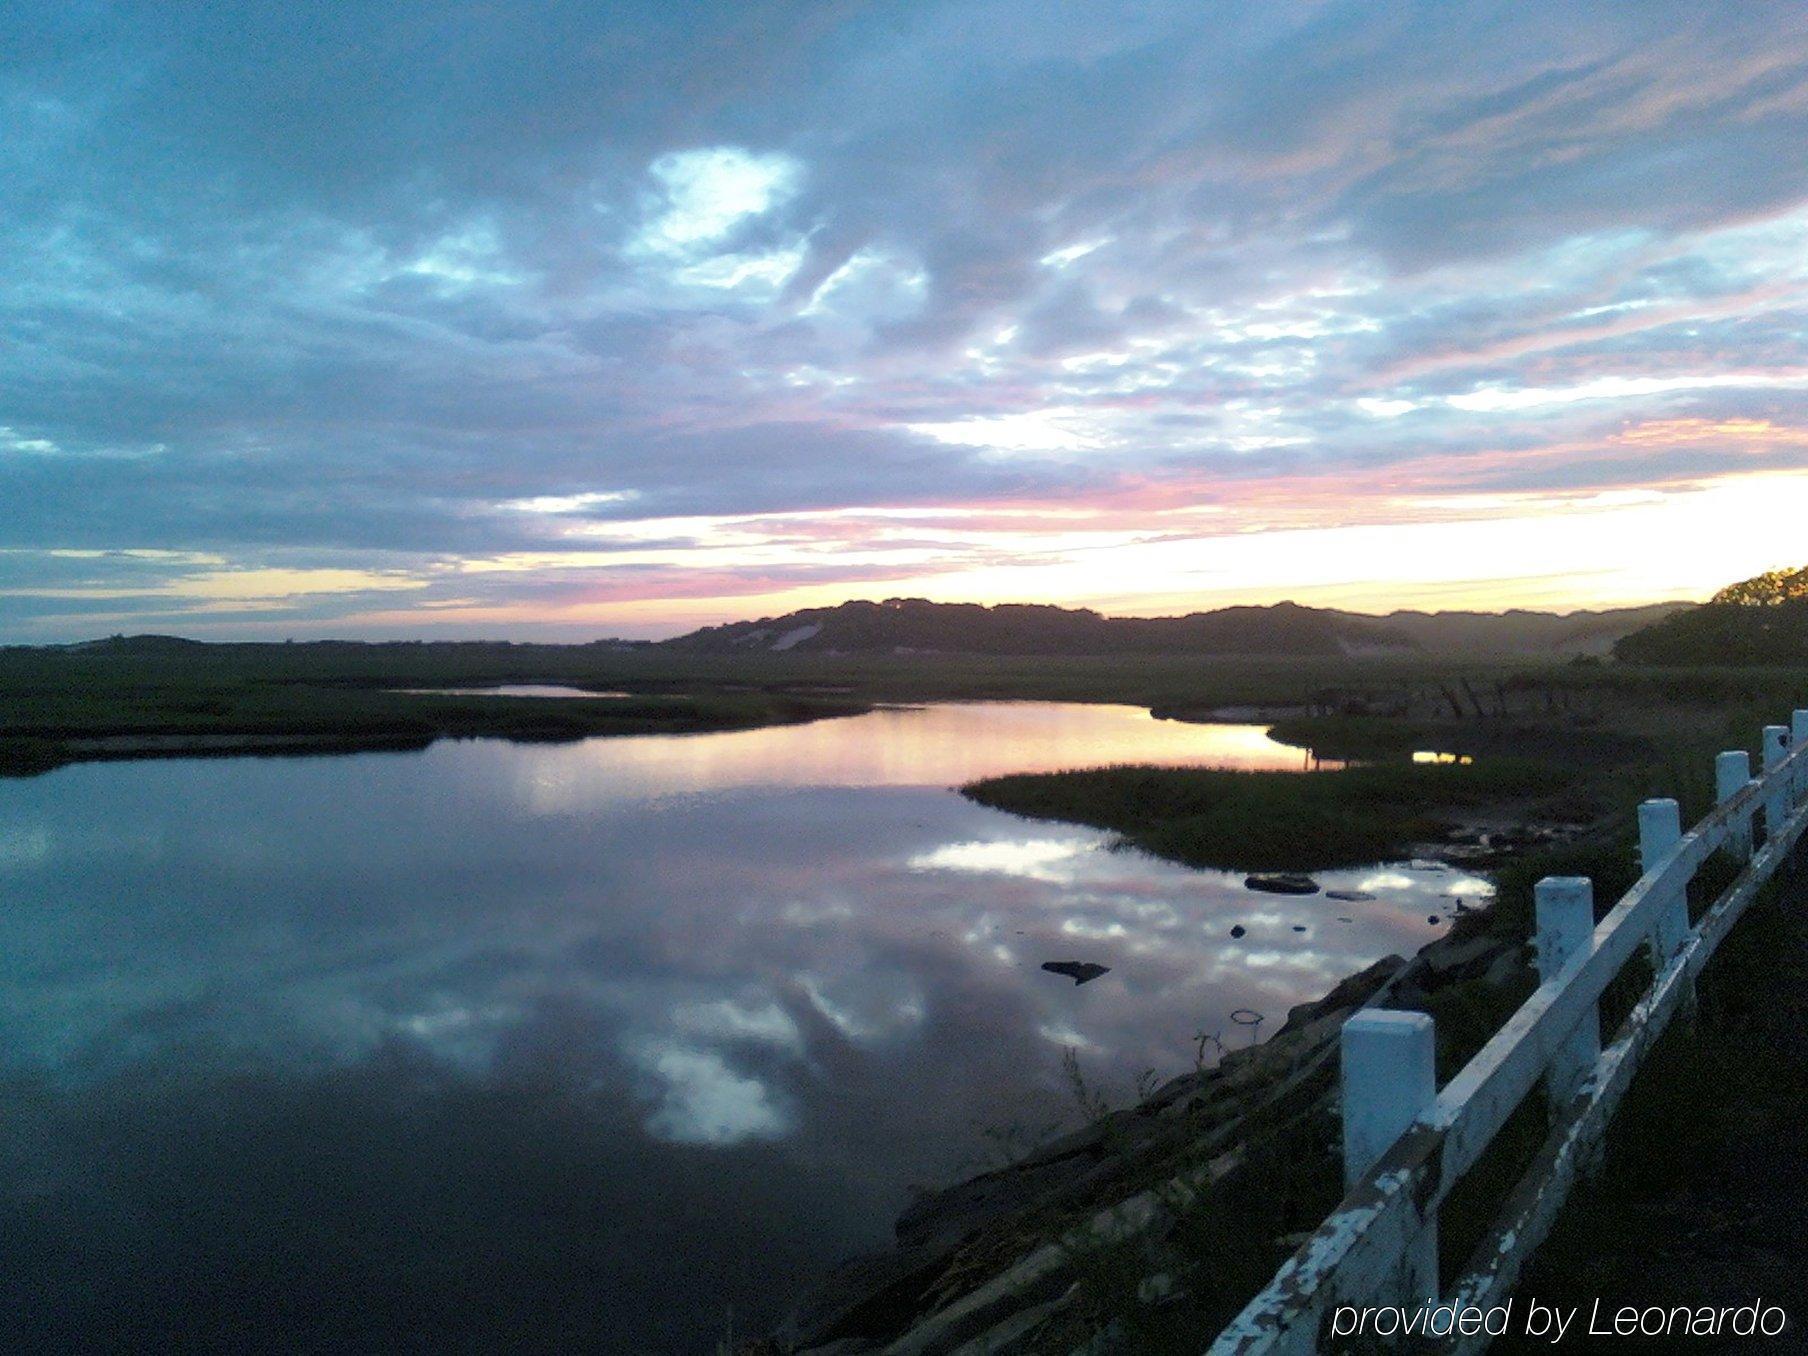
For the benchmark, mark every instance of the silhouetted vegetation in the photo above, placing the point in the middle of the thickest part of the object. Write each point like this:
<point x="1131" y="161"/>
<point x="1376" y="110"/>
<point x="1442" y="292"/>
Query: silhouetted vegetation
<point x="1763" y="620"/>
<point x="1766" y="590"/>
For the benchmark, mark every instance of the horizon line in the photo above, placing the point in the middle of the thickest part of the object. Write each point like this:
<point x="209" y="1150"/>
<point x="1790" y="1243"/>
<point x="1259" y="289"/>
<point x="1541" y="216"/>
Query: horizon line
<point x="831" y="607"/>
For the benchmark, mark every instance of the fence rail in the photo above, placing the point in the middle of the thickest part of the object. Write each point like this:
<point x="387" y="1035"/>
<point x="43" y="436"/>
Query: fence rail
<point x="1406" y="1146"/>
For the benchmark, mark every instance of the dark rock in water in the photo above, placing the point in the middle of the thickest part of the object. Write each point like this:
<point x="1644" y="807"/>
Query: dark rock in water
<point x="1239" y="930"/>
<point x="1350" y="896"/>
<point x="1299" y="927"/>
<point x="1078" y="971"/>
<point x="1433" y="920"/>
<point x="1286" y="883"/>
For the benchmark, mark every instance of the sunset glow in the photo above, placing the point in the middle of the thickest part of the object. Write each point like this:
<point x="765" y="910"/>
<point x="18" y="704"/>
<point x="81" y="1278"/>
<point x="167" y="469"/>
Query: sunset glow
<point x="1361" y="305"/>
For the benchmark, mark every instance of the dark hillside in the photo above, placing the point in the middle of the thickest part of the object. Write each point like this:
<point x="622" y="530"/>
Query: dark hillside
<point x="1521" y="632"/>
<point x="916" y="625"/>
<point x="1757" y="621"/>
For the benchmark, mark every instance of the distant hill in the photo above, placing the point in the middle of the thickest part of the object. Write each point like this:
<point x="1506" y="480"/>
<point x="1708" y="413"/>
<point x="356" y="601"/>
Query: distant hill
<point x="151" y="645"/>
<point x="1522" y="632"/>
<point x="1763" y="620"/>
<point x="916" y="625"/>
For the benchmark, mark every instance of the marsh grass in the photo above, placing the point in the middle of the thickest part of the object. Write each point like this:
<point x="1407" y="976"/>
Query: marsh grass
<point x="146" y="700"/>
<point x="1263" y="821"/>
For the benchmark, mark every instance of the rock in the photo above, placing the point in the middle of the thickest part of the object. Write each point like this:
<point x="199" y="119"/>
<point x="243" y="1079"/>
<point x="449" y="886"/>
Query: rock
<point x="867" y="1295"/>
<point x="1299" y="927"/>
<point x="1447" y="956"/>
<point x="1433" y="919"/>
<point x="1016" y="1332"/>
<point x="1348" y="995"/>
<point x="1159" y="1289"/>
<point x="1107" y="1341"/>
<point x="1505" y="968"/>
<point x="1284" y="883"/>
<point x="1350" y="896"/>
<point x="941" y="1220"/>
<point x="1239" y="931"/>
<point x="1040" y="1179"/>
<point x="1078" y="971"/>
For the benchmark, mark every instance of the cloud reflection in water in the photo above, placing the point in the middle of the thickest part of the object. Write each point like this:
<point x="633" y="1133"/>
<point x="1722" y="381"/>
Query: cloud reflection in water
<point x="750" y="1013"/>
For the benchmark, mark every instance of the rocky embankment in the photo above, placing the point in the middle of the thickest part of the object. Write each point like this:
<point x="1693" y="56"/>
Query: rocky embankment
<point x="1182" y="1204"/>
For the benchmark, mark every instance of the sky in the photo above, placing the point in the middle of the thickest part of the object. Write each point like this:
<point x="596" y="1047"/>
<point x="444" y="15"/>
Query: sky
<point x="561" y="320"/>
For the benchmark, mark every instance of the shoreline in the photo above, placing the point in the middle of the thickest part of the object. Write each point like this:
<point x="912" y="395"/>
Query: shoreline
<point x="1158" y="1219"/>
<point x="31" y="751"/>
<point x="1199" y="1153"/>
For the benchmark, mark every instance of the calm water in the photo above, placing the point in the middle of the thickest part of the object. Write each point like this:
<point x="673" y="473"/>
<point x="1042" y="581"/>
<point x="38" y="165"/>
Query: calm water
<point x="573" y="1047"/>
<point x="509" y="690"/>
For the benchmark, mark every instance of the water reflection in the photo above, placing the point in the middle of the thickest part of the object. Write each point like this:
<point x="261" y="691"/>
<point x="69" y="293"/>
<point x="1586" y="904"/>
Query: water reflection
<point x="508" y="690"/>
<point x="945" y="744"/>
<point x="579" y="1045"/>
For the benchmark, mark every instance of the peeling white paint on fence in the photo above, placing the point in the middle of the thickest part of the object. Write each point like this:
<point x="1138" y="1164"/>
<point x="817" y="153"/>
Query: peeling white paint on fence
<point x="1371" y="1250"/>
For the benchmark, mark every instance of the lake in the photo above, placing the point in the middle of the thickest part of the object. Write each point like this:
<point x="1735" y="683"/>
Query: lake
<point x="580" y="1046"/>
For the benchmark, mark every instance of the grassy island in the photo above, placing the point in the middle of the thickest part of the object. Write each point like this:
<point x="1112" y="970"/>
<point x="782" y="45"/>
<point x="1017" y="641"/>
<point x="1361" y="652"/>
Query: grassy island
<point x="1270" y="821"/>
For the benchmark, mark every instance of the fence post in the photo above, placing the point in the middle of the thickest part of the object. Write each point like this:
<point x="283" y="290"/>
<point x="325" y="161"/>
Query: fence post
<point x="1565" y="907"/>
<point x="1776" y="800"/>
<point x="1660" y="830"/>
<point x="1732" y="771"/>
<point x="1798" y="736"/>
<point x="1389" y="1080"/>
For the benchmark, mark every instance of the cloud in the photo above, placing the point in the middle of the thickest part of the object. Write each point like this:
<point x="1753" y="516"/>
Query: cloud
<point x="347" y="293"/>
<point x="707" y="192"/>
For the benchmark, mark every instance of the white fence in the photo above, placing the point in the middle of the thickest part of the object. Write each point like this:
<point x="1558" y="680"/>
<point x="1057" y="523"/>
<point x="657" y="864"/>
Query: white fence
<point x="1406" y="1145"/>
